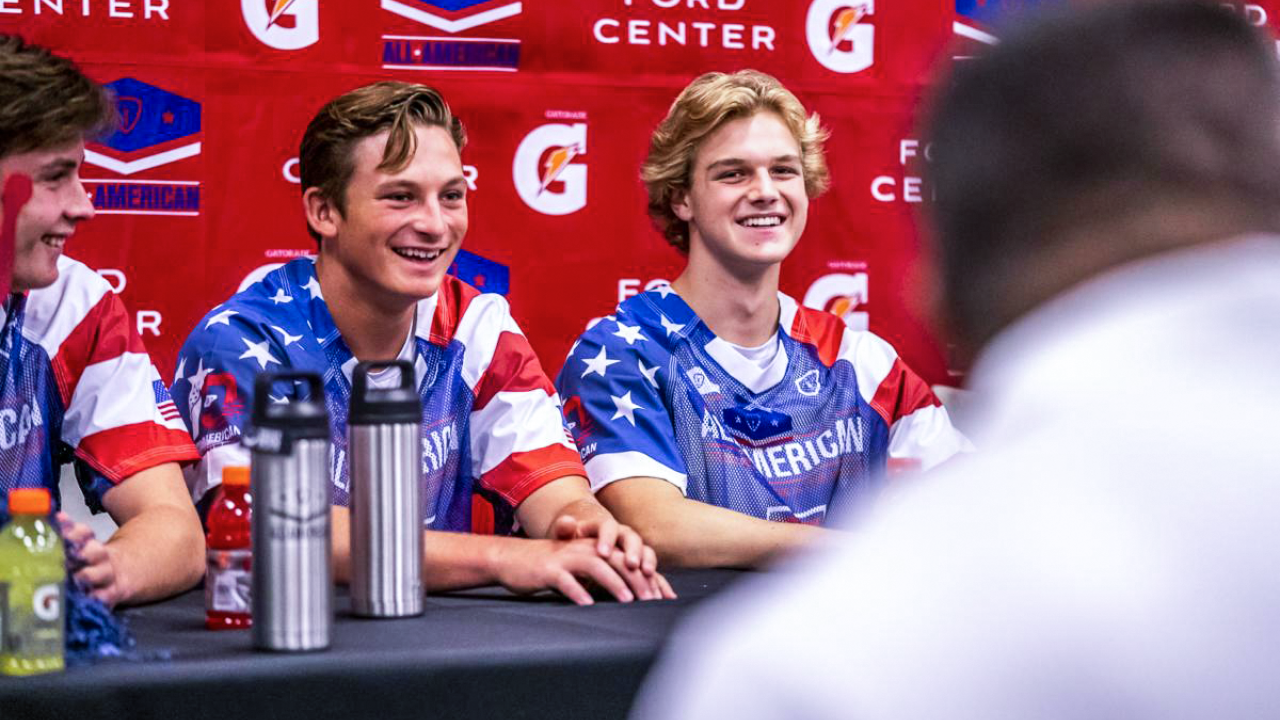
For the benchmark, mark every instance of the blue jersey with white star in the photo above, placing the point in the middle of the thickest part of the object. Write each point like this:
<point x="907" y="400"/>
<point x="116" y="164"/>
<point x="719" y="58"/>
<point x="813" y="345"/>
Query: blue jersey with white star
<point x="652" y="392"/>
<point x="477" y="463"/>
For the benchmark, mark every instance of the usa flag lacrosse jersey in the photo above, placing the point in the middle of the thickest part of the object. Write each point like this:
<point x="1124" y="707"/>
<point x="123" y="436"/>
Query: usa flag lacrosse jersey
<point x="76" y="381"/>
<point x="492" y="432"/>
<point x="651" y="391"/>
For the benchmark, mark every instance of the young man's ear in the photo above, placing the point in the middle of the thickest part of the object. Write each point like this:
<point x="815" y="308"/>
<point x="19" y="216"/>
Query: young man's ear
<point x="322" y="214"/>
<point x="680" y="205"/>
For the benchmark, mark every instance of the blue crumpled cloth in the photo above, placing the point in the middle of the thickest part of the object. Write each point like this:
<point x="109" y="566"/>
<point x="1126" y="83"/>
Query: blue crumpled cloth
<point x="93" y="631"/>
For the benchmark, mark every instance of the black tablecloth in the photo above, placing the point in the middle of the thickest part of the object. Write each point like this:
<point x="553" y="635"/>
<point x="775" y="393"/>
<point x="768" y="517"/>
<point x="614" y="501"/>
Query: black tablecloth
<point x="476" y="654"/>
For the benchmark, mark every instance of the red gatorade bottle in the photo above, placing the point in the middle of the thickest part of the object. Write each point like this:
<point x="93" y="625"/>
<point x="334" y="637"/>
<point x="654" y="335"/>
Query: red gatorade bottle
<point x="227" y="583"/>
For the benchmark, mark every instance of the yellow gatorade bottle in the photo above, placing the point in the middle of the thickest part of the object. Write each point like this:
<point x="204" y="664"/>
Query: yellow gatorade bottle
<point x="33" y="578"/>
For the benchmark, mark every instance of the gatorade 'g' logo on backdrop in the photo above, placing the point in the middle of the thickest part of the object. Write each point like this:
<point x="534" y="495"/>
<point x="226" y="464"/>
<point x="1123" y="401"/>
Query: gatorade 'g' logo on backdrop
<point x="839" y="35"/>
<point x="283" y="24"/>
<point x="843" y="294"/>
<point x="157" y="128"/>
<point x="549" y="172"/>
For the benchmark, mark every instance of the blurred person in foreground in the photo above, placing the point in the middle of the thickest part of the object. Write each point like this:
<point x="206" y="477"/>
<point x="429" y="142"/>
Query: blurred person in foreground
<point x="76" y="383"/>
<point x="723" y="420"/>
<point x="385" y="198"/>
<point x="1108" y="191"/>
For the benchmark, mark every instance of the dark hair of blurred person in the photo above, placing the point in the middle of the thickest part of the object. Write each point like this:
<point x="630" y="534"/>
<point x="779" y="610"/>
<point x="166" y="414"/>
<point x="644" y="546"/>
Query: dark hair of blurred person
<point x="1092" y="139"/>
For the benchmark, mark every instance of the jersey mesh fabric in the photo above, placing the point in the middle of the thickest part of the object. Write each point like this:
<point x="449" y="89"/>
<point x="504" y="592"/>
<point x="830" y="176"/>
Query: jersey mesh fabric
<point x="259" y="330"/>
<point x="790" y="475"/>
<point x="645" y="397"/>
<point x="31" y="411"/>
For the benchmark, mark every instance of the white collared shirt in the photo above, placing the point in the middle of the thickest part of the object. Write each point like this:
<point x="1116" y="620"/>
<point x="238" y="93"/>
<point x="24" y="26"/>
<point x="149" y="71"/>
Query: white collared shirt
<point x="1114" y="551"/>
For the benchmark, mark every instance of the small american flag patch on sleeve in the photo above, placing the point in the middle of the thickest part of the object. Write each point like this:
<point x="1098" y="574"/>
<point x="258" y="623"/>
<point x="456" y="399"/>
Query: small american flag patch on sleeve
<point x="164" y="401"/>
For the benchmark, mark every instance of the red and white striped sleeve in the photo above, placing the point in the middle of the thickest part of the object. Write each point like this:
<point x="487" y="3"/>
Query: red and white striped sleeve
<point x="518" y="439"/>
<point x="119" y="416"/>
<point x="919" y="426"/>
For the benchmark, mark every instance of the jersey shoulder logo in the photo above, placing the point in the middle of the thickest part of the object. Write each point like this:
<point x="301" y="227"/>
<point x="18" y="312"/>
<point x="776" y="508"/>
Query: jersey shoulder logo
<point x="808" y="384"/>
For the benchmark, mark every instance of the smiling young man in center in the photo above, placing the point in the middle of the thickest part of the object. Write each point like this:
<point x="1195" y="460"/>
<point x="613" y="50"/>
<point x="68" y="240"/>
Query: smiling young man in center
<point x="385" y="197"/>
<point x="717" y="416"/>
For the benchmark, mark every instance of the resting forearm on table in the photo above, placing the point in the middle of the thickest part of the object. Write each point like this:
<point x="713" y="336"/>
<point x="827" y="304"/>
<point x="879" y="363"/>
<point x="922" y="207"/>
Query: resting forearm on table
<point x="450" y="561"/>
<point x="158" y="553"/>
<point x="689" y="533"/>
<point x="568" y="494"/>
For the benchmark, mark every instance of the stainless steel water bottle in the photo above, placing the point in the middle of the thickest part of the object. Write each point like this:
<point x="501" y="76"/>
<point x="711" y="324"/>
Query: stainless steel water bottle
<point x="289" y="474"/>
<point x="386" y="503"/>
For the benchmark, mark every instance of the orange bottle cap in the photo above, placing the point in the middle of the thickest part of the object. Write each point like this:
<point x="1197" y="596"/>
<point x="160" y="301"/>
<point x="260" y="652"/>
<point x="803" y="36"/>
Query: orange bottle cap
<point x="235" y="476"/>
<point x="29" y="501"/>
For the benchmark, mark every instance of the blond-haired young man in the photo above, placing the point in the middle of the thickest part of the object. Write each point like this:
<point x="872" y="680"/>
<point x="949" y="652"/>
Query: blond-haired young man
<point x="75" y="379"/>
<point x="386" y="199"/>
<point x="717" y="416"/>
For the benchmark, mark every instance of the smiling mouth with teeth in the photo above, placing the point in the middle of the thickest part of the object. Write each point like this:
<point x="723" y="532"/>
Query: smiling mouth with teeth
<point x="771" y="221"/>
<point x="54" y="241"/>
<point x="418" y="254"/>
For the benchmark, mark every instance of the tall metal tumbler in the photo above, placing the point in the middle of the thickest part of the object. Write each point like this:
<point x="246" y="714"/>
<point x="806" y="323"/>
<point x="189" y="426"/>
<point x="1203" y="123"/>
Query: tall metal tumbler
<point x="289" y="473"/>
<point x="386" y="505"/>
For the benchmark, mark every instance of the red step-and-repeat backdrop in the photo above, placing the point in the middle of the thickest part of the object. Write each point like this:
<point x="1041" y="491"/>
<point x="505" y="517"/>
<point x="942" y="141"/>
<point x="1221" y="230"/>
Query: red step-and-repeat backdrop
<point x="197" y="193"/>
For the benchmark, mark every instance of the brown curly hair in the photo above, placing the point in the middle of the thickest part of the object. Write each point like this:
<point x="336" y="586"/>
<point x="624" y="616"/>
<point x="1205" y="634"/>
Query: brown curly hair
<point x="324" y="159"/>
<point x="707" y="103"/>
<point x="45" y="101"/>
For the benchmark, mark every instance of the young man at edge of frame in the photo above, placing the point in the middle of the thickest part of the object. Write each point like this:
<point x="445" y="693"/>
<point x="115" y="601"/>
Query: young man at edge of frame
<point x="72" y="367"/>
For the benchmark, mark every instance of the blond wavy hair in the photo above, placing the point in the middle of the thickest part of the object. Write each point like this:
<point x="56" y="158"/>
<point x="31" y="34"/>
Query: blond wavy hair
<point x="325" y="156"/>
<point x="703" y="107"/>
<point x="45" y="101"/>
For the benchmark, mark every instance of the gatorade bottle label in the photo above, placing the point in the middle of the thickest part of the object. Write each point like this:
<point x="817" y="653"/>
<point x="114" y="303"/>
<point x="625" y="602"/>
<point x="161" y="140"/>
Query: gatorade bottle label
<point x="228" y="584"/>
<point x="32" y="628"/>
